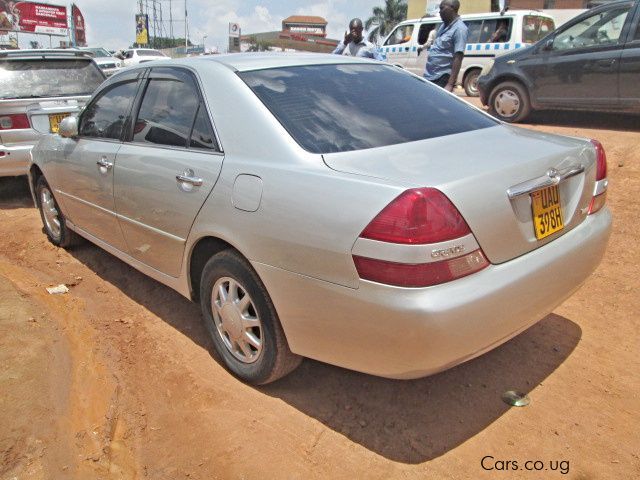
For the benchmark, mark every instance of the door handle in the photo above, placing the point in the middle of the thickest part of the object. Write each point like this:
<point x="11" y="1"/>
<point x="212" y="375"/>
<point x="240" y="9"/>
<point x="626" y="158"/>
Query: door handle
<point x="189" y="177"/>
<point x="104" y="163"/>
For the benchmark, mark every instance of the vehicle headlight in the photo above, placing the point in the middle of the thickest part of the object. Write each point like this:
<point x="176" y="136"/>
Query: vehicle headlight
<point x="487" y="68"/>
<point x="118" y="64"/>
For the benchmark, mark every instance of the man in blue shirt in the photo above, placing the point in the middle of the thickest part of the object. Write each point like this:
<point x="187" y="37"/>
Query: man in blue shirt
<point x="445" y="55"/>
<point x="355" y="45"/>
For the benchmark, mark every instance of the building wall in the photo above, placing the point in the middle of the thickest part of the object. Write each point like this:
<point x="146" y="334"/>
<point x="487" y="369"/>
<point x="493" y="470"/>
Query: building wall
<point x="417" y="8"/>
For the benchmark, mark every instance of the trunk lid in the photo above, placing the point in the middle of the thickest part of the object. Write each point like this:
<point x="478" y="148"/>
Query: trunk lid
<point x="481" y="171"/>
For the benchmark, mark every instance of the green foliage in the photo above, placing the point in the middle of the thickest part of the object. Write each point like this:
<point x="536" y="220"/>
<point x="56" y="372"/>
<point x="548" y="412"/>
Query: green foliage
<point x="385" y="19"/>
<point x="163" y="42"/>
<point x="256" y="45"/>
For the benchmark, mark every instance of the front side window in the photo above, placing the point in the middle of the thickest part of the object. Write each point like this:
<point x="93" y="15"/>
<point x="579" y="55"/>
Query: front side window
<point x="338" y="108"/>
<point x="106" y="115"/>
<point x="48" y="78"/>
<point x="534" y="28"/>
<point x="167" y="112"/>
<point x="603" y="28"/>
<point x="402" y="34"/>
<point x="425" y="30"/>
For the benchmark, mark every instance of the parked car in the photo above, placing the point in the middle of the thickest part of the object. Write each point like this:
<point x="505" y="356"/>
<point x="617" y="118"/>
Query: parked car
<point x="38" y="88"/>
<point x="311" y="217"/>
<point x="519" y="28"/>
<point x="590" y="63"/>
<point x="135" y="56"/>
<point x="105" y="60"/>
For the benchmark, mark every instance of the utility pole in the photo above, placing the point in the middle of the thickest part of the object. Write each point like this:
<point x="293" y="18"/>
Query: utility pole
<point x="171" y="23"/>
<point x="186" y="27"/>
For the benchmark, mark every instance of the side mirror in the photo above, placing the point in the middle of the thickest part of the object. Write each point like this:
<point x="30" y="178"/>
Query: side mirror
<point x="68" y="127"/>
<point x="548" y="45"/>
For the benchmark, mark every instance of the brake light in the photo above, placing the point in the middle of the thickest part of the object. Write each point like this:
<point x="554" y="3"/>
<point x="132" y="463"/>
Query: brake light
<point x="601" y="160"/>
<point x="14" y="122"/>
<point x="418" y="216"/>
<point x="600" y="190"/>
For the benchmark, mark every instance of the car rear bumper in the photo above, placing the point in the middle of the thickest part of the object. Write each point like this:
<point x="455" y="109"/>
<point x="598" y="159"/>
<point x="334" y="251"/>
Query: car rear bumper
<point x="14" y="159"/>
<point x="409" y="333"/>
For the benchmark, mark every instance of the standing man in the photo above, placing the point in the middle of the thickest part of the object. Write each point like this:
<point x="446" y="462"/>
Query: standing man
<point x="354" y="44"/>
<point x="447" y="51"/>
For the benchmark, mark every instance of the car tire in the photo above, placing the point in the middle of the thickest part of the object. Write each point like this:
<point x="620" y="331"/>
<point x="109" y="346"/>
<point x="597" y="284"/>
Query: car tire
<point x="509" y="102"/>
<point x="470" y="82"/>
<point x="243" y="322"/>
<point x="54" y="222"/>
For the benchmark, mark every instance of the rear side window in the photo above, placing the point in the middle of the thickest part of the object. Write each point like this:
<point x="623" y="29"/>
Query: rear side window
<point x="492" y="30"/>
<point x="167" y="113"/>
<point x="105" y="117"/>
<point x="48" y="78"/>
<point x="337" y="108"/>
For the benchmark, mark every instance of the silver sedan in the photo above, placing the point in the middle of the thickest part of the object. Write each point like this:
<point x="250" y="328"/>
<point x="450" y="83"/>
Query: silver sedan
<point x="327" y="207"/>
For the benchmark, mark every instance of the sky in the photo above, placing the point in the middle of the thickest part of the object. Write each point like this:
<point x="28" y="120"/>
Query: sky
<point x="111" y="23"/>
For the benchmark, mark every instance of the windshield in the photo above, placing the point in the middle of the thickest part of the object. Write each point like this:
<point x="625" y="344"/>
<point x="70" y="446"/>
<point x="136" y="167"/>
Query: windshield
<point x="150" y="53"/>
<point x="48" y="78"/>
<point x="337" y="108"/>
<point x="98" y="52"/>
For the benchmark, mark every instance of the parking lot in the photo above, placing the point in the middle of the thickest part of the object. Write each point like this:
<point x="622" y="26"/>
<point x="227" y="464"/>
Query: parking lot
<point x="116" y="378"/>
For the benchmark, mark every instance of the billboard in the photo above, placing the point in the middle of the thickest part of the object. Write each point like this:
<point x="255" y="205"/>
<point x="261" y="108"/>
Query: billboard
<point x="142" y="29"/>
<point x="78" y="26"/>
<point x="33" y="17"/>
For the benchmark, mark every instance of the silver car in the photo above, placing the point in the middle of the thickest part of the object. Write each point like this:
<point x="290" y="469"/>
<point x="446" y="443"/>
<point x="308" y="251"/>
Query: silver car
<point x="38" y="88"/>
<point x="327" y="207"/>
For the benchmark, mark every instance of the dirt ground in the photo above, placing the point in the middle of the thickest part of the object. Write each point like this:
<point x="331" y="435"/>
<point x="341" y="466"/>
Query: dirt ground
<point x="115" y="379"/>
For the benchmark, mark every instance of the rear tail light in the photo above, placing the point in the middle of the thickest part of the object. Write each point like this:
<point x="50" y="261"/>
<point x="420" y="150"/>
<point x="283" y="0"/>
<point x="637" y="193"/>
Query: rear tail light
<point x="420" y="216"/>
<point x="417" y="216"/>
<point x="14" y="122"/>
<point x="600" y="190"/>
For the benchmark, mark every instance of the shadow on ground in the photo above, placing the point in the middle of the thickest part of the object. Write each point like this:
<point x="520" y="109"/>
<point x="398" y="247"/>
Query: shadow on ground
<point x="14" y="193"/>
<point x="604" y="121"/>
<point x="404" y="421"/>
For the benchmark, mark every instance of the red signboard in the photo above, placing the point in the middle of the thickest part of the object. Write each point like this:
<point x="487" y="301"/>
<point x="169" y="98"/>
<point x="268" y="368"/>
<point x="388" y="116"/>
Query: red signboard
<point x="78" y="26"/>
<point x="33" y="17"/>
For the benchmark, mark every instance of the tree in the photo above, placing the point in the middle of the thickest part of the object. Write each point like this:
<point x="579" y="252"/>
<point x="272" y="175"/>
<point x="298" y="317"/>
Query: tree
<point x="384" y="19"/>
<point x="256" y="45"/>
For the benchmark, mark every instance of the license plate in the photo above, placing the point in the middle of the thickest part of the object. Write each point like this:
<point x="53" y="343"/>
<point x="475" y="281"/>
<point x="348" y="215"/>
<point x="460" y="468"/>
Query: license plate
<point x="547" y="213"/>
<point x="55" y="119"/>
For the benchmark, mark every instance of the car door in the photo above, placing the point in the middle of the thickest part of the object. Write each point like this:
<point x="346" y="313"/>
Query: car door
<point x="630" y="67"/>
<point x="85" y="170"/>
<point x="580" y="66"/>
<point x="166" y="168"/>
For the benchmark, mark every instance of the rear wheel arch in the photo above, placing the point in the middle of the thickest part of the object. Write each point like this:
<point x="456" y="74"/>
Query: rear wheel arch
<point x="202" y="251"/>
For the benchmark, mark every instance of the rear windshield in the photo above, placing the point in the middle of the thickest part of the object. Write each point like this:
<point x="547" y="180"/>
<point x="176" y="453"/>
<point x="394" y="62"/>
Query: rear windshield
<point x="150" y="53"/>
<point x="48" y="78"/>
<point x="338" y="108"/>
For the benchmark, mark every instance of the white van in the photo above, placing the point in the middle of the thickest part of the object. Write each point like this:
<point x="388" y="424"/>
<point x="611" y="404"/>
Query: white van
<point x="523" y="27"/>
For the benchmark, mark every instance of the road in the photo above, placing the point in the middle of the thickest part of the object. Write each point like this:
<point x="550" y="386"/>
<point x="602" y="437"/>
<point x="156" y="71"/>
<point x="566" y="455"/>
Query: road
<point x="116" y="379"/>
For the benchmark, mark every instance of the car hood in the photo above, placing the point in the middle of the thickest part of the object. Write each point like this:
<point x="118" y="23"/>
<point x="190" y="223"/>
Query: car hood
<point x="475" y="169"/>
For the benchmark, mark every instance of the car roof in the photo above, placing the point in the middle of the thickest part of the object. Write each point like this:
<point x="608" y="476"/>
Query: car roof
<point x="44" y="53"/>
<point x="474" y="16"/>
<point x="242" y="62"/>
